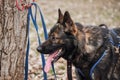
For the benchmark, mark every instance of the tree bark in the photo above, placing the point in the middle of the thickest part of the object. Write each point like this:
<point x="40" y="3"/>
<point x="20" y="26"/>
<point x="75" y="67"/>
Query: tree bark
<point x="13" y="37"/>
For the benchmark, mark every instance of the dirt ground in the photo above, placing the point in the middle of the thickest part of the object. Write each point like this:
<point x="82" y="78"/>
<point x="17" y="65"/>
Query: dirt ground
<point x="87" y="12"/>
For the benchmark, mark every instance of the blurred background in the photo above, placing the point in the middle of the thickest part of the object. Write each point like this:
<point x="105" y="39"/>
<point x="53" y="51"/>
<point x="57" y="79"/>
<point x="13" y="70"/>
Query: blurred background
<point x="87" y="12"/>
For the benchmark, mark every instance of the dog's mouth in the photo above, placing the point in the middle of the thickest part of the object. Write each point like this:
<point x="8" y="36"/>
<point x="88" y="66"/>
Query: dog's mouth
<point x="53" y="57"/>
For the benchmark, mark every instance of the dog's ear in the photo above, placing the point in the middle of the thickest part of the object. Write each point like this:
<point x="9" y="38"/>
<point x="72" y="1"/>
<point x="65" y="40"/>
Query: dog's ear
<point x="60" y="16"/>
<point x="69" y="25"/>
<point x="67" y="19"/>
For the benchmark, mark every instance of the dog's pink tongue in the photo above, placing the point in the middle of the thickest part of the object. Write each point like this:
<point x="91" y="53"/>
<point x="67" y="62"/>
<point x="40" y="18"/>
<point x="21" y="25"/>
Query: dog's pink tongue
<point x="48" y="62"/>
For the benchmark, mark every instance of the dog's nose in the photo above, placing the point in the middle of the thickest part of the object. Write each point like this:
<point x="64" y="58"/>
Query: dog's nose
<point x="39" y="48"/>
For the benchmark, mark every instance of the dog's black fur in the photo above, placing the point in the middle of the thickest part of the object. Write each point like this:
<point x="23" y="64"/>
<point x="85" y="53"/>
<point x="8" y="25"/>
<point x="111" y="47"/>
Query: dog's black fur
<point x="84" y="45"/>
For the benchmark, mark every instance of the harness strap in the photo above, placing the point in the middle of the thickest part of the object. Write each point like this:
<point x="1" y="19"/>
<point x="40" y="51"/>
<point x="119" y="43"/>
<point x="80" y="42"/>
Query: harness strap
<point x="93" y="67"/>
<point x="102" y="52"/>
<point x="69" y="70"/>
<point x="69" y="61"/>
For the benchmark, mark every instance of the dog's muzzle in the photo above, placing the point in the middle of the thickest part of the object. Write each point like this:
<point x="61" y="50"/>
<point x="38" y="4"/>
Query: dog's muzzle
<point x="39" y="48"/>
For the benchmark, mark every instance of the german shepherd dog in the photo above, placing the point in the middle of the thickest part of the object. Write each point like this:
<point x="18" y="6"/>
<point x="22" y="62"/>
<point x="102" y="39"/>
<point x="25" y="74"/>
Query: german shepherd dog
<point x="93" y="50"/>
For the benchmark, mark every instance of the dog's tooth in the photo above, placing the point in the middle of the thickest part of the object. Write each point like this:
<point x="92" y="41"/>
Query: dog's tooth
<point x="60" y="50"/>
<point x="52" y="59"/>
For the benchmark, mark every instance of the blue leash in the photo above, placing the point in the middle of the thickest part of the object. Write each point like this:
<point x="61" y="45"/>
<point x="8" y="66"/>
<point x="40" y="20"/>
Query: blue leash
<point x="30" y="14"/>
<point x="93" y="67"/>
<point x="28" y="45"/>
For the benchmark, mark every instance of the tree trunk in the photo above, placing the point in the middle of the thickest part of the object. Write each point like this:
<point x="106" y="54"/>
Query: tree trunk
<point x="12" y="41"/>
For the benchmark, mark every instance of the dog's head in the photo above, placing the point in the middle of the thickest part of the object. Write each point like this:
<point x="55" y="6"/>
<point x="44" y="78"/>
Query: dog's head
<point x="61" y="41"/>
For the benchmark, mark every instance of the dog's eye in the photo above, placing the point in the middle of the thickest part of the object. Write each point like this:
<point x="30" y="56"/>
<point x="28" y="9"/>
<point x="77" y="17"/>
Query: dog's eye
<point x="53" y="38"/>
